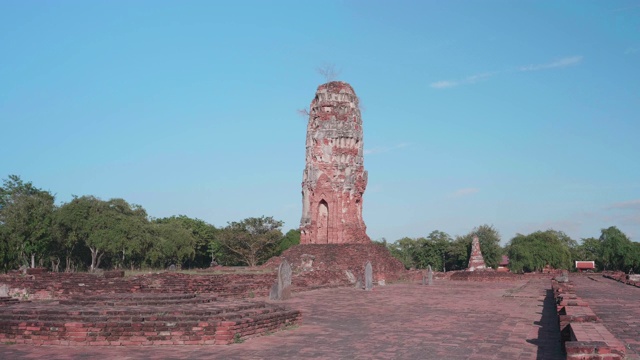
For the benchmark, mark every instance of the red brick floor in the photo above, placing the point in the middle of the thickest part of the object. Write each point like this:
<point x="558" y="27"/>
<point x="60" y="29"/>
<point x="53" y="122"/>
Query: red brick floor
<point x="617" y="304"/>
<point x="449" y="320"/>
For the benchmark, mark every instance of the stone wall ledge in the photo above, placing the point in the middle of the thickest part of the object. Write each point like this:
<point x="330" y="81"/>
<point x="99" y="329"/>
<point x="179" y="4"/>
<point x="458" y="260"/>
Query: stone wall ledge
<point x="583" y="335"/>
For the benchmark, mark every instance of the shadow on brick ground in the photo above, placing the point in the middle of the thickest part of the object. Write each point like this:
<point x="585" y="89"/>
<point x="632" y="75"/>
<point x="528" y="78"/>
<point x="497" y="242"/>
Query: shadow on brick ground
<point x="548" y="340"/>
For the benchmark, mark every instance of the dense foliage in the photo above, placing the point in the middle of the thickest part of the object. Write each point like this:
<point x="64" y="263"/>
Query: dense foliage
<point x="88" y="233"/>
<point x="252" y="240"/>
<point x="91" y="233"/>
<point x="535" y="251"/>
<point x="527" y="253"/>
<point x="617" y="252"/>
<point x="613" y="250"/>
<point x="443" y="252"/>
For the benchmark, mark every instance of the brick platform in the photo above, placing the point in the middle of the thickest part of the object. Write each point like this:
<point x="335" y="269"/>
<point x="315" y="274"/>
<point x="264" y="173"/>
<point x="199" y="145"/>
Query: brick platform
<point x="483" y="276"/>
<point x="617" y="305"/>
<point x="622" y="277"/>
<point x="141" y="319"/>
<point x="583" y="335"/>
<point x="48" y="286"/>
<point x="7" y="300"/>
<point x="334" y="259"/>
<point x="449" y="320"/>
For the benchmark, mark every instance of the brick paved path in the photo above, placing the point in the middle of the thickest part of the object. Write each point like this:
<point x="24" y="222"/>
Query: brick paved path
<point x="450" y="320"/>
<point x="617" y="304"/>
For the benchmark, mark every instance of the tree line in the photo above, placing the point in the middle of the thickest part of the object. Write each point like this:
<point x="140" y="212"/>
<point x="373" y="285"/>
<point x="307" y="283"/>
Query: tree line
<point x="613" y="250"/>
<point x="88" y="233"/>
<point x="445" y="253"/>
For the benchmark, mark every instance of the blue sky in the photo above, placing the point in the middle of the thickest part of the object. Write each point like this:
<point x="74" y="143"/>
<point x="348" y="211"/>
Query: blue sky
<point x="524" y="115"/>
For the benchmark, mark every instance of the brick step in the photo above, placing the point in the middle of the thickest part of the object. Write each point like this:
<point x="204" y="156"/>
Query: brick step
<point x="590" y="340"/>
<point x="576" y="314"/>
<point x="139" y="299"/>
<point x="195" y="324"/>
<point x="130" y="316"/>
<point x="7" y="300"/>
<point x="65" y="285"/>
<point x="161" y="313"/>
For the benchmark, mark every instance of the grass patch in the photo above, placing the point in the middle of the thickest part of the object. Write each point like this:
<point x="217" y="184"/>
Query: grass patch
<point x="237" y="339"/>
<point x="290" y="326"/>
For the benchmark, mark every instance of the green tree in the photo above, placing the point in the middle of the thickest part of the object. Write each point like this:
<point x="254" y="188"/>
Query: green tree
<point x="115" y="228"/>
<point x="207" y="250"/>
<point x="252" y="240"/>
<point x="590" y="249"/>
<point x="25" y="214"/>
<point x="632" y="262"/>
<point x="171" y="245"/>
<point x="63" y="242"/>
<point x="616" y="250"/>
<point x="131" y="236"/>
<point x="404" y="250"/>
<point x="489" y="239"/>
<point x="291" y="238"/>
<point x="73" y="223"/>
<point x="587" y="250"/>
<point x="457" y="256"/>
<point x="7" y="251"/>
<point x="436" y="250"/>
<point x="432" y="250"/>
<point x="534" y="251"/>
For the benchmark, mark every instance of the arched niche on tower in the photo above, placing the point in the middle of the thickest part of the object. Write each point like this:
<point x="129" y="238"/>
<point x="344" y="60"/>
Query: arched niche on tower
<point x="322" y="222"/>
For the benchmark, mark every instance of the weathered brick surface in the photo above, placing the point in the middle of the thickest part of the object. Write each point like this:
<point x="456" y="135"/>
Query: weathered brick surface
<point x="483" y="276"/>
<point x="7" y="300"/>
<point x="617" y="305"/>
<point x="49" y="286"/>
<point x="334" y="178"/>
<point x="476" y="261"/>
<point x="449" y="320"/>
<point x="583" y="334"/>
<point x="621" y="277"/>
<point x="141" y="319"/>
<point x="334" y="259"/>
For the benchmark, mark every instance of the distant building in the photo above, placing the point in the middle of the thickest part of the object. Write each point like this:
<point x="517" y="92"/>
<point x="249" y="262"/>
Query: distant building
<point x="504" y="264"/>
<point x="585" y="266"/>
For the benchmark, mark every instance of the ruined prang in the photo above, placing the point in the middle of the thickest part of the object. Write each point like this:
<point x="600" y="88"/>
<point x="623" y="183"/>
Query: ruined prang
<point x="476" y="261"/>
<point x="334" y="178"/>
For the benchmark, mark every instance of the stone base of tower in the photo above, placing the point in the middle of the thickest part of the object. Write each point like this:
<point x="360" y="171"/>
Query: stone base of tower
<point x="478" y="264"/>
<point x="346" y="235"/>
<point x="343" y="259"/>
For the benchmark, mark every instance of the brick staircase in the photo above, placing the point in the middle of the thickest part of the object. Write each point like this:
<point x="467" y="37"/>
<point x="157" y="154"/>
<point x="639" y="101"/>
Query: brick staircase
<point x="7" y="300"/>
<point x="141" y="319"/>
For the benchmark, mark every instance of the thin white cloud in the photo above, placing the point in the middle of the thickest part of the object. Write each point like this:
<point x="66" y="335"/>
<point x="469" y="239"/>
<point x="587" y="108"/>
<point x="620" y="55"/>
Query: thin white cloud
<point x="626" y="205"/>
<point x="468" y="80"/>
<point x="465" y="192"/>
<point x="564" y="62"/>
<point x="632" y="50"/>
<point x="444" y="84"/>
<point x="479" y="77"/>
<point x="384" y="149"/>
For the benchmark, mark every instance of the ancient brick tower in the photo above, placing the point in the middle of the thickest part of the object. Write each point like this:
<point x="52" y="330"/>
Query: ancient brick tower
<point x="476" y="261"/>
<point x="334" y="178"/>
